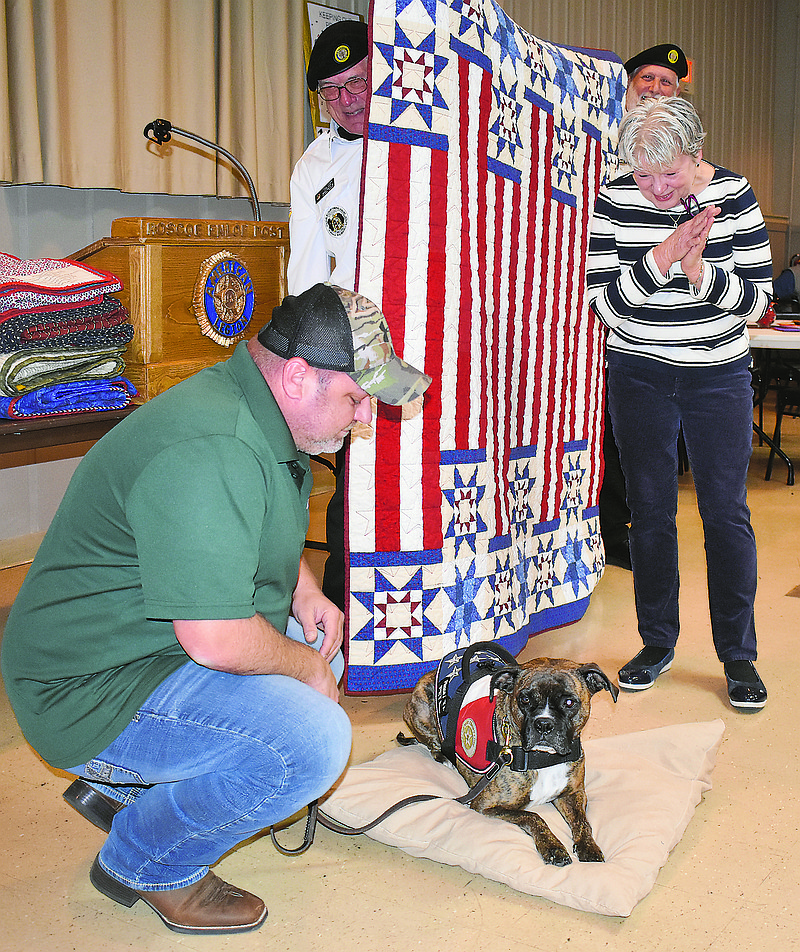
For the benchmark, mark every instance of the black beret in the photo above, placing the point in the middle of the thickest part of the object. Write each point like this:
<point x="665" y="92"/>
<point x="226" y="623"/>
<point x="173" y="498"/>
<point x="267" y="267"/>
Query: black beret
<point x="338" y="47"/>
<point x="665" y="54"/>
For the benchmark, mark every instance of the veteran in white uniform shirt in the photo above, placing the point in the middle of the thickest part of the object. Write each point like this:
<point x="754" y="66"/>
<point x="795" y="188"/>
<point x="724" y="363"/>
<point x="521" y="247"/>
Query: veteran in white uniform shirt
<point x="326" y="182"/>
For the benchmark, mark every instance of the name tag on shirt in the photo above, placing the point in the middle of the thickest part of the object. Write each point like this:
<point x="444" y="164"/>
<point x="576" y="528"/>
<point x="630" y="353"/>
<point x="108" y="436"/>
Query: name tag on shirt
<point x="323" y="192"/>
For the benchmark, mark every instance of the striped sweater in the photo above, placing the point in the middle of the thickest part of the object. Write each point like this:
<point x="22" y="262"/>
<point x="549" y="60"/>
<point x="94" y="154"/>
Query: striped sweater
<point x="652" y="317"/>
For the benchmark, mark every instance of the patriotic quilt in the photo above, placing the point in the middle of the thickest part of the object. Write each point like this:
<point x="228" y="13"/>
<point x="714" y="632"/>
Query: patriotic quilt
<point x="475" y="519"/>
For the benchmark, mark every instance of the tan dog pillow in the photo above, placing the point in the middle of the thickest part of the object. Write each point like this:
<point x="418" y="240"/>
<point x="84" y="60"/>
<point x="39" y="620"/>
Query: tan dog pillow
<point x="642" y="788"/>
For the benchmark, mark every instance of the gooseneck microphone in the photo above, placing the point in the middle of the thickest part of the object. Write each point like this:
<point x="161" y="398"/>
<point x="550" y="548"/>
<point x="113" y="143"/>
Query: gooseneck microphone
<point x="162" y="130"/>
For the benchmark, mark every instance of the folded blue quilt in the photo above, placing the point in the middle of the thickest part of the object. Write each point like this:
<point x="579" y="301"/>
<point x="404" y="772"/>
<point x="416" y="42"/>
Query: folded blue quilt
<point x="77" y="396"/>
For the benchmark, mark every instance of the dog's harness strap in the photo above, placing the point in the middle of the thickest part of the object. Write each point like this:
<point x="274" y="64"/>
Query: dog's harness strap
<point x="503" y="759"/>
<point x="522" y="759"/>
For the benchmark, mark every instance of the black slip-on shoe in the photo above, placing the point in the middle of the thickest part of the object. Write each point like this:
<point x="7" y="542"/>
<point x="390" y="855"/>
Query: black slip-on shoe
<point x="745" y="688"/>
<point x="640" y="672"/>
<point x="94" y="806"/>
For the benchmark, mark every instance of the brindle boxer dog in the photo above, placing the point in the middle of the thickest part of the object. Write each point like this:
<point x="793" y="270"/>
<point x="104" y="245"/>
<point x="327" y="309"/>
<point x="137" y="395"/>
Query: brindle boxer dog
<point x="545" y="703"/>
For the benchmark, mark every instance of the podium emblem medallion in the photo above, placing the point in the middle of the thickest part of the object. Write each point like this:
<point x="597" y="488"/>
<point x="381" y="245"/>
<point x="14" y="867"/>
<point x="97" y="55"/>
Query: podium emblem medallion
<point x="223" y="298"/>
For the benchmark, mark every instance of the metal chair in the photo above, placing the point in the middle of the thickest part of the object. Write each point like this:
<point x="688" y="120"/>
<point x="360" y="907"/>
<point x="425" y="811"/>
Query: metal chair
<point x="321" y="546"/>
<point x="764" y="379"/>
<point x="787" y="403"/>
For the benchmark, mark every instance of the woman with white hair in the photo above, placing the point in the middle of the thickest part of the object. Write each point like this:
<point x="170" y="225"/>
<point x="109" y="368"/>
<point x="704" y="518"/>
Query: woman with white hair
<point x="679" y="262"/>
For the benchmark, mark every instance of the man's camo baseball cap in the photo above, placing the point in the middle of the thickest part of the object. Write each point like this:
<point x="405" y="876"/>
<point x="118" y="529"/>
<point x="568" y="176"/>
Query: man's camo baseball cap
<point x="334" y="329"/>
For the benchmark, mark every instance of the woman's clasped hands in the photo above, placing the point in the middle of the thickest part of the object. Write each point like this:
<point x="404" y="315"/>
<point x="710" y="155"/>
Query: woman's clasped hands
<point x="686" y="244"/>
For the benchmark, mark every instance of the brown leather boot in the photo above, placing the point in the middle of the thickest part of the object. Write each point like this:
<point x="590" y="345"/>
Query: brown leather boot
<point x="207" y="907"/>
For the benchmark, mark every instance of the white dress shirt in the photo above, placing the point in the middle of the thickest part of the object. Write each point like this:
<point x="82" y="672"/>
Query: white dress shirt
<point x="324" y="222"/>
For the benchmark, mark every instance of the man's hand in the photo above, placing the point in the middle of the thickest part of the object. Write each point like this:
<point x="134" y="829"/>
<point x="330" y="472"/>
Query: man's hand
<point x="313" y="611"/>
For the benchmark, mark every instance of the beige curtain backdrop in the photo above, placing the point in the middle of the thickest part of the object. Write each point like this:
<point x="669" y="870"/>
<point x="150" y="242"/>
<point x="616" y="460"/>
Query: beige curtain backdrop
<point x="732" y="46"/>
<point x="81" y="79"/>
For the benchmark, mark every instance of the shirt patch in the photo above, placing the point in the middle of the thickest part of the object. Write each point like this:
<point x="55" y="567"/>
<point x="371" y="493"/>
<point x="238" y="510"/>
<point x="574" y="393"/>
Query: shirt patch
<point x="323" y="192"/>
<point x="336" y="221"/>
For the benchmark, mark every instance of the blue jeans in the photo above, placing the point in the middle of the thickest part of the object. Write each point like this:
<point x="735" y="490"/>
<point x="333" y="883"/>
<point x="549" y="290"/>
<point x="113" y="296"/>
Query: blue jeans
<point x="715" y="410"/>
<point x="209" y="760"/>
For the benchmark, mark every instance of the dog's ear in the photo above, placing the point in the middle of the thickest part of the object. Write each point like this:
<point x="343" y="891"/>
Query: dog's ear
<point x="504" y="680"/>
<point x="596" y="680"/>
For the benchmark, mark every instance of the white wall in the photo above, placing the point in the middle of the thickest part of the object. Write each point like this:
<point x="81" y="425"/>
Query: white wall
<point x="31" y="495"/>
<point x="52" y="221"/>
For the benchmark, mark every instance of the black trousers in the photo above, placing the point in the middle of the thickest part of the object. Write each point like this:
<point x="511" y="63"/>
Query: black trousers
<point x="615" y="516"/>
<point x="333" y="578"/>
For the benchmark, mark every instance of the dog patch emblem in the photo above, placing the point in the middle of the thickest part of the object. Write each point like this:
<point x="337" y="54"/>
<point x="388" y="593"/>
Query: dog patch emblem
<point x="223" y="298"/>
<point x="469" y="737"/>
<point x="336" y="221"/>
<point x="476" y="725"/>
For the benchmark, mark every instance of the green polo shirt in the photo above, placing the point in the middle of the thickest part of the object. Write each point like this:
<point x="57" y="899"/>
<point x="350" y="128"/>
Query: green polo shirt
<point x="187" y="509"/>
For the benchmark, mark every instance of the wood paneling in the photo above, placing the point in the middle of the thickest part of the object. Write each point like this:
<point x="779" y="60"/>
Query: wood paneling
<point x="160" y="262"/>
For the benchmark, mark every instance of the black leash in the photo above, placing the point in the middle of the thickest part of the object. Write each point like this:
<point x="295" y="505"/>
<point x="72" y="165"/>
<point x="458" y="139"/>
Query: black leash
<point x="502" y="759"/>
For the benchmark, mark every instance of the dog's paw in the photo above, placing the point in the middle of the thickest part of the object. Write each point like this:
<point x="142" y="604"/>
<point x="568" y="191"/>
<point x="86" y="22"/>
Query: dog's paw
<point x="590" y="853"/>
<point x="551" y="849"/>
<point x="556" y="856"/>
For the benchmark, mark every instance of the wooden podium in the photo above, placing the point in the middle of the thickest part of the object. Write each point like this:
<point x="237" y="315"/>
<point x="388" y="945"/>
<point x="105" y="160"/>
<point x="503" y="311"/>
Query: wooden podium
<point x="193" y="288"/>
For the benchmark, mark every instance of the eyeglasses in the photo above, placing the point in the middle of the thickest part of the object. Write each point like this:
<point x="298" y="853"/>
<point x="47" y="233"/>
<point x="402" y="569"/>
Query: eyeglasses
<point x="331" y="92"/>
<point x="691" y="205"/>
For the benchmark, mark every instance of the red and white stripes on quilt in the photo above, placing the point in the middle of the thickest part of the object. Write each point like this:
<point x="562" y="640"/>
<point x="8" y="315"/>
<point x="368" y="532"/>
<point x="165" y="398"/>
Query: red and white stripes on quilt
<point x="476" y="518"/>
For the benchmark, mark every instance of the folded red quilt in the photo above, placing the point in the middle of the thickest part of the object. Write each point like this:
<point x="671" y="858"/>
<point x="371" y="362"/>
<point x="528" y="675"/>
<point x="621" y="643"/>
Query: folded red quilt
<point x="91" y="325"/>
<point x="47" y="284"/>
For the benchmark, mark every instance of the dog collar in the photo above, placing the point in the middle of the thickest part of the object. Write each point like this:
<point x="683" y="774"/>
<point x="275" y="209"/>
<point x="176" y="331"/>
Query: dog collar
<point x="522" y="759"/>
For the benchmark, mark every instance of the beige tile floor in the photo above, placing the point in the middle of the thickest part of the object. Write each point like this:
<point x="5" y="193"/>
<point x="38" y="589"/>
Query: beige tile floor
<point x="731" y="884"/>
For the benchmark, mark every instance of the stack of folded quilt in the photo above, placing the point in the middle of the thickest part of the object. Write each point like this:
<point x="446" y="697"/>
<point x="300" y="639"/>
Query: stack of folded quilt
<point x="62" y="339"/>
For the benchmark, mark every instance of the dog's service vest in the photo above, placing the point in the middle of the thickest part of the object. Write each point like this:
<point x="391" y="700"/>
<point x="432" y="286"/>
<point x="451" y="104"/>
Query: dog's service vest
<point x="464" y="707"/>
<point x="465" y="712"/>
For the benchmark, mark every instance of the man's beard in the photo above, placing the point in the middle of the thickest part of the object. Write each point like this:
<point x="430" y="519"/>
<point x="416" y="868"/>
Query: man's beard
<point x="306" y="432"/>
<point x="313" y="447"/>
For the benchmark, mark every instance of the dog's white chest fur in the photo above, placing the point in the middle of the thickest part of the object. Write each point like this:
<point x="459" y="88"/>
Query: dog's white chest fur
<point x="550" y="782"/>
